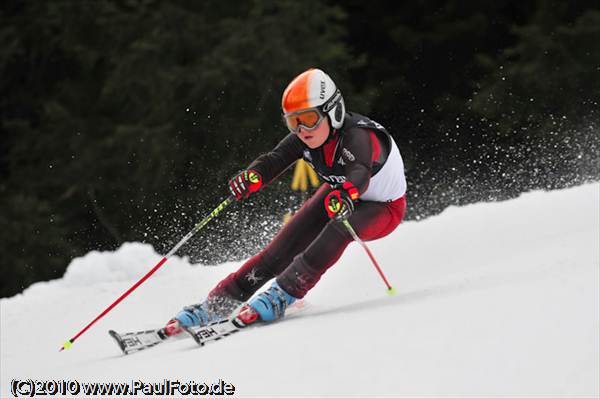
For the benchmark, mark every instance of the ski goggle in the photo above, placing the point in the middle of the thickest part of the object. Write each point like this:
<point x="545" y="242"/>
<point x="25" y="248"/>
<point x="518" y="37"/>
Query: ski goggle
<point x="308" y="119"/>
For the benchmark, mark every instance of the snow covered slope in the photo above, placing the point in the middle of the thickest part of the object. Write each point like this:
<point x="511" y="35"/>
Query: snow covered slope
<point x="493" y="299"/>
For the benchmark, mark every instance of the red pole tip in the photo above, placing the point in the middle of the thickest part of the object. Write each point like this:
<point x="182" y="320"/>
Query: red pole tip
<point x="66" y="345"/>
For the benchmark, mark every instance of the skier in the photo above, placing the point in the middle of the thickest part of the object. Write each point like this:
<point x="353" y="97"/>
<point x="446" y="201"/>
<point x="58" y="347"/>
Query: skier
<point x="364" y="183"/>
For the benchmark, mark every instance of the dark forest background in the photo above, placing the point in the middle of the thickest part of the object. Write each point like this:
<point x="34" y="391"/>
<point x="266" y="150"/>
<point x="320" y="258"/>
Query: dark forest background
<point x="123" y="120"/>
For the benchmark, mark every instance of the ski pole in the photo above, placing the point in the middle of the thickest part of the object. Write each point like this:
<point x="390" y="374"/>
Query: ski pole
<point x="390" y="290"/>
<point x="189" y="235"/>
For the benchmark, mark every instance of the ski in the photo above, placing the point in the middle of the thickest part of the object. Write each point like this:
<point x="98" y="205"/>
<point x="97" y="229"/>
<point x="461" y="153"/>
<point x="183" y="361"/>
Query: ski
<point x="132" y="342"/>
<point x="136" y="341"/>
<point x="226" y="327"/>
<point x="214" y="331"/>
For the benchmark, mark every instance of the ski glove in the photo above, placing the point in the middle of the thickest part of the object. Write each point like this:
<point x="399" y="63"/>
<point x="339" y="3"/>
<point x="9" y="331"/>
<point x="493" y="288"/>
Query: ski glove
<point x="339" y="202"/>
<point x="245" y="183"/>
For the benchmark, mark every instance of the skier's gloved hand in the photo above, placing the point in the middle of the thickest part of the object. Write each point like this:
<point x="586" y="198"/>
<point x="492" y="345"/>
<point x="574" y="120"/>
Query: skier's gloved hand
<point x="339" y="202"/>
<point x="245" y="183"/>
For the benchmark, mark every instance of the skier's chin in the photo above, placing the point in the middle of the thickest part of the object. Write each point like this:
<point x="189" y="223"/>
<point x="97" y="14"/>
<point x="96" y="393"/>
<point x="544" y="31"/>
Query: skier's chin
<point x="317" y="136"/>
<point x="312" y="142"/>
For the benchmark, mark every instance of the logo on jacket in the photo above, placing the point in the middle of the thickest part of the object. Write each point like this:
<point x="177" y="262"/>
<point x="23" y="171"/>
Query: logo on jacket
<point x="349" y="156"/>
<point x="363" y="122"/>
<point x="341" y="161"/>
<point x="333" y="178"/>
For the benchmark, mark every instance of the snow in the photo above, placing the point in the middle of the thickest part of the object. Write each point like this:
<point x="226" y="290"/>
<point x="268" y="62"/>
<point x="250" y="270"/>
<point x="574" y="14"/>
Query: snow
<point x="494" y="299"/>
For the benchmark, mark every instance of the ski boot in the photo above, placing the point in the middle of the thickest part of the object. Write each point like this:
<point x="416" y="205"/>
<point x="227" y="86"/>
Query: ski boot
<point x="213" y="309"/>
<point x="268" y="306"/>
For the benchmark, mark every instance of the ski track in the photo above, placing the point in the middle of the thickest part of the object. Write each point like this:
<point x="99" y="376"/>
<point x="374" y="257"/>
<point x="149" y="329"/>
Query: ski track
<point x="494" y="299"/>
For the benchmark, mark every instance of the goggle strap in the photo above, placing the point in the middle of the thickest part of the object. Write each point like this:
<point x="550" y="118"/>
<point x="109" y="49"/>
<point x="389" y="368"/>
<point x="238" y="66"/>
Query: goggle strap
<point x="332" y="102"/>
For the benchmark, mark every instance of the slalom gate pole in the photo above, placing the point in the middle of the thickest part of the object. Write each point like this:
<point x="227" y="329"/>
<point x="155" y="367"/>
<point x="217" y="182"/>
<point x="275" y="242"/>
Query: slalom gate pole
<point x="189" y="235"/>
<point x="390" y="290"/>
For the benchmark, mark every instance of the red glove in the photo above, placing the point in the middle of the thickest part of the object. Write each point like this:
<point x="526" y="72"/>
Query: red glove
<point x="245" y="183"/>
<point x="339" y="202"/>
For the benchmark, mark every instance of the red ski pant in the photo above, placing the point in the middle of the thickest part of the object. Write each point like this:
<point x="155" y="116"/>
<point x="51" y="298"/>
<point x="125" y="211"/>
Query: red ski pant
<point x="308" y="245"/>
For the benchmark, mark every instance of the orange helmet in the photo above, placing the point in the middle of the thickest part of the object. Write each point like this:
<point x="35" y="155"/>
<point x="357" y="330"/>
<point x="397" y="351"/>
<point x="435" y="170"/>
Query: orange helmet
<point x="315" y="89"/>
